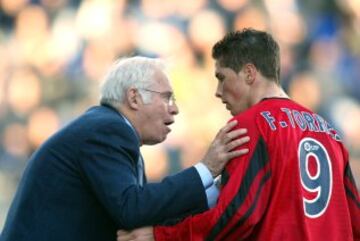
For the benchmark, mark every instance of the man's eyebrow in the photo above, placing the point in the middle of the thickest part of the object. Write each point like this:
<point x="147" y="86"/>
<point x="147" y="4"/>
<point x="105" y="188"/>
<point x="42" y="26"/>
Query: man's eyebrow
<point x="169" y="92"/>
<point x="219" y="75"/>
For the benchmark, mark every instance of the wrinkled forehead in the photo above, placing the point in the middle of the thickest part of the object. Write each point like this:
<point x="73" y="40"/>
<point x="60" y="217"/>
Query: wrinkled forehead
<point x="161" y="80"/>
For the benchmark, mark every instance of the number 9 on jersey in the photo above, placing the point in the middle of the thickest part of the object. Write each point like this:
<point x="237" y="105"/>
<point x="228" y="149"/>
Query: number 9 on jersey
<point x="315" y="175"/>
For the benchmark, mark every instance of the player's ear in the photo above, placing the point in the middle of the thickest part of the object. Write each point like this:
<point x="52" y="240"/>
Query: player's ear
<point x="250" y="72"/>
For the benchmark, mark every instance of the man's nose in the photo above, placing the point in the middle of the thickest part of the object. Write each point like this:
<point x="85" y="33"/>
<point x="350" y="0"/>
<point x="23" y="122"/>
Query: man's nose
<point x="218" y="92"/>
<point x="173" y="109"/>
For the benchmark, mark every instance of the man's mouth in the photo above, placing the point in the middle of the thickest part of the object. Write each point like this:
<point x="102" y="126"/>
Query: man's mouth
<point x="226" y="104"/>
<point x="168" y="123"/>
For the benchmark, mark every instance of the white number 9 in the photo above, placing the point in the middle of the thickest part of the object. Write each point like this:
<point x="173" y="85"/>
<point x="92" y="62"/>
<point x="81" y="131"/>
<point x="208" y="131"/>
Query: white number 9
<point x="319" y="184"/>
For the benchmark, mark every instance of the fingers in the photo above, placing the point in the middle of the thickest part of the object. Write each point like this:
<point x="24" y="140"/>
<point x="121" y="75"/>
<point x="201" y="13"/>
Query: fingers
<point x="228" y="127"/>
<point x="234" y="134"/>
<point x="236" y="143"/>
<point x="144" y="234"/>
<point x="237" y="153"/>
<point x="124" y="235"/>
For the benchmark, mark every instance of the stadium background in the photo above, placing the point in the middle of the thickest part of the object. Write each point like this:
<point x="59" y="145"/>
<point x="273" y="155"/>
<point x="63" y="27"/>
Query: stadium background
<point x="53" y="54"/>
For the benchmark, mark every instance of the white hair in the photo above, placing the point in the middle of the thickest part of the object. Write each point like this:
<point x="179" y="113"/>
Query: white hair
<point x="136" y="72"/>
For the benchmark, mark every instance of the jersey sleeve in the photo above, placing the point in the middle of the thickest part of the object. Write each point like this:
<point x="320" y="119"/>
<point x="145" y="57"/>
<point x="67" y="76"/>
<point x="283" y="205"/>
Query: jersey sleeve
<point x="242" y="201"/>
<point x="353" y="199"/>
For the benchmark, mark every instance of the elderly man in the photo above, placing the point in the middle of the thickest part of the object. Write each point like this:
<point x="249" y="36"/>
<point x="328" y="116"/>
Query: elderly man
<point x="296" y="182"/>
<point x="88" y="179"/>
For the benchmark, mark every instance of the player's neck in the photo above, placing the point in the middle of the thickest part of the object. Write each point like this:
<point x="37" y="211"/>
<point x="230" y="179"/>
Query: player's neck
<point x="269" y="90"/>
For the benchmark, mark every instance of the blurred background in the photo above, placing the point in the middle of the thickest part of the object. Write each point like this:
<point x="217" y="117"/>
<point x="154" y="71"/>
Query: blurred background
<point x="54" y="53"/>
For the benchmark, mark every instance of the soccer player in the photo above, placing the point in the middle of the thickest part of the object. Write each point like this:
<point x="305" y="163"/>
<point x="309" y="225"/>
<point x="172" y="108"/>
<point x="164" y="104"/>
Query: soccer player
<point x="296" y="183"/>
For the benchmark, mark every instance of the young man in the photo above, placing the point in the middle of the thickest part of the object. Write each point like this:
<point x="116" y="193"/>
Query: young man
<point x="88" y="179"/>
<point x="296" y="183"/>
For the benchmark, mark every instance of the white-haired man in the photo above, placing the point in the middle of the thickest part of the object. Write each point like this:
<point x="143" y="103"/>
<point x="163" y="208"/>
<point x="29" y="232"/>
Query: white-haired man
<point x="88" y="180"/>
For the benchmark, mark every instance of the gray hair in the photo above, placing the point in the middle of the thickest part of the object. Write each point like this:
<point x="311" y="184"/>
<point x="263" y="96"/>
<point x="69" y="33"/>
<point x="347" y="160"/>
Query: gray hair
<point x="136" y="72"/>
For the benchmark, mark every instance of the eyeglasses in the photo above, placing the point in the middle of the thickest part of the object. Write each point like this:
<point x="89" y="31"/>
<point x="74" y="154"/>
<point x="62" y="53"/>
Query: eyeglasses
<point x="167" y="96"/>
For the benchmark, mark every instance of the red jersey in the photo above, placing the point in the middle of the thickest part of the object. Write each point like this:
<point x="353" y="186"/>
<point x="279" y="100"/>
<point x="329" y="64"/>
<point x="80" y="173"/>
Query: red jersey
<point x="295" y="184"/>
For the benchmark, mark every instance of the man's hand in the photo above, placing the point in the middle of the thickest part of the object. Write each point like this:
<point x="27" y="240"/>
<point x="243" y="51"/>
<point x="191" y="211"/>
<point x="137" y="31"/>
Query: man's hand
<point x="139" y="234"/>
<point x="222" y="148"/>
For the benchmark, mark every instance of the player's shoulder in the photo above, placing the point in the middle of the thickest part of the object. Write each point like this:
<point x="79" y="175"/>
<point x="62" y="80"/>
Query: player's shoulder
<point x="277" y="103"/>
<point x="273" y="105"/>
<point x="279" y="107"/>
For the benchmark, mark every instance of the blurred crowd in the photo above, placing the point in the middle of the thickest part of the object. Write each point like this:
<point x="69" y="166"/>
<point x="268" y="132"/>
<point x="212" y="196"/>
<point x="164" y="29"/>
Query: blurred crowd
<point x="54" y="53"/>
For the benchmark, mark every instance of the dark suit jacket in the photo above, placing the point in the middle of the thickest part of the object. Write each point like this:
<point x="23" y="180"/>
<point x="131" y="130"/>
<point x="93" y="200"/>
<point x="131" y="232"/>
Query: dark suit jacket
<point x="81" y="184"/>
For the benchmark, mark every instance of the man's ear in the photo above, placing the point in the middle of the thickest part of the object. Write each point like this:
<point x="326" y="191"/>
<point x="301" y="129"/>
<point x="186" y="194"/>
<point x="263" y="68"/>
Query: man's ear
<point x="133" y="98"/>
<point x="250" y="72"/>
